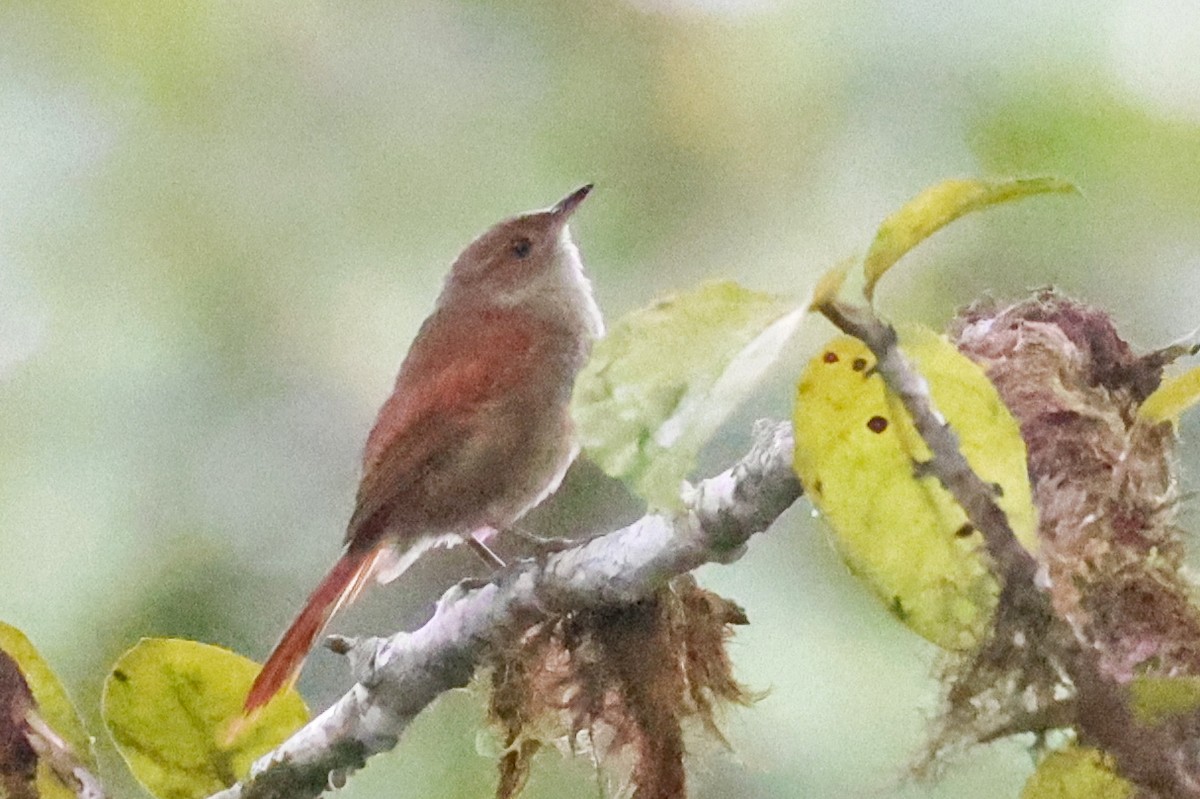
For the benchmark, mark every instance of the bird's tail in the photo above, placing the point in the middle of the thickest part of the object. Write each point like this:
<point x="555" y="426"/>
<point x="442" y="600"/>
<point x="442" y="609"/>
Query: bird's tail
<point x="339" y="588"/>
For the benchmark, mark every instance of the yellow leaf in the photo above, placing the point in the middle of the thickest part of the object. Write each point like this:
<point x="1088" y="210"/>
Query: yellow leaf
<point x="1172" y="398"/>
<point x="1077" y="772"/>
<point x="1155" y="699"/>
<point x="856" y="454"/>
<point x="938" y="206"/>
<point x="170" y="706"/>
<point x="53" y="705"/>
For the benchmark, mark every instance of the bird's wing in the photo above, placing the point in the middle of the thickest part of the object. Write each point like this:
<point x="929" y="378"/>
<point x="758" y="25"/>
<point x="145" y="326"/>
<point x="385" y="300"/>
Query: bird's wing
<point x="429" y="430"/>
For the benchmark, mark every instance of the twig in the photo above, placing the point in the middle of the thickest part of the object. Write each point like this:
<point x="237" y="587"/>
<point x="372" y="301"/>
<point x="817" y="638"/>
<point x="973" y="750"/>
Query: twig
<point x="1103" y="713"/>
<point x="401" y="675"/>
<point x="947" y="463"/>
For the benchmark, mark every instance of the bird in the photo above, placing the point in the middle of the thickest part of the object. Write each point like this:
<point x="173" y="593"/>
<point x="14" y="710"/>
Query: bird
<point x="477" y="430"/>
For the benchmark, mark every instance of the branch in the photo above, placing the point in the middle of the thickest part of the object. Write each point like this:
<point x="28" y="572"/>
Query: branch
<point x="1103" y="714"/>
<point x="399" y="676"/>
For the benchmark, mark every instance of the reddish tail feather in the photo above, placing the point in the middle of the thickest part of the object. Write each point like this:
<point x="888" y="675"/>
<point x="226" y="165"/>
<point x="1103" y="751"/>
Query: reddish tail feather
<point x="339" y="588"/>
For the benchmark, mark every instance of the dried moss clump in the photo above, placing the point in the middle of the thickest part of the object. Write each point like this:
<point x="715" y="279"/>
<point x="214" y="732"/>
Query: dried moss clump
<point x="622" y="681"/>
<point x="1118" y="606"/>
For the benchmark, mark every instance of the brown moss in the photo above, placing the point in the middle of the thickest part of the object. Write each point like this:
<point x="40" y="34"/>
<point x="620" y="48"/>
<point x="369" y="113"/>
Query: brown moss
<point x="630" y="677"/>
<point x="1104" y="483"/>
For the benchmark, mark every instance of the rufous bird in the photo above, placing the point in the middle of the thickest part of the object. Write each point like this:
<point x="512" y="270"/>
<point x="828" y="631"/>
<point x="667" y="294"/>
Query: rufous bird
<point x="477" y="429"/>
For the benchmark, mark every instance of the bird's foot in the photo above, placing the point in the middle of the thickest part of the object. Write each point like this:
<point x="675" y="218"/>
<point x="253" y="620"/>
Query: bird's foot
<point x="542" y="545"/>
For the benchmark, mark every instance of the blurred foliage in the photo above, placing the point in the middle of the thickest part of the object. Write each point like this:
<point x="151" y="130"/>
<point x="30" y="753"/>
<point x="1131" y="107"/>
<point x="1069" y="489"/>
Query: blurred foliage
<point x="1076" y="772"/>
<point x="1156" y="699"/>
<point x="665" y="377"/>
<point x="221" y="223"/>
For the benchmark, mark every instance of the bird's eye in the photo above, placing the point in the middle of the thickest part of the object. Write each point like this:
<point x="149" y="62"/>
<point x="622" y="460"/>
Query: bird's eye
<point x="521" y="247"/>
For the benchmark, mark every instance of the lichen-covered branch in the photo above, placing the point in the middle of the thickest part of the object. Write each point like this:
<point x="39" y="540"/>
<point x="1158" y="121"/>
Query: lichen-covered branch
<point x="399" y="676"/>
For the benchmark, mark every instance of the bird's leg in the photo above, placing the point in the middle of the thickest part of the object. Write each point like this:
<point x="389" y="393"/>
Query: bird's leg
<point x="477" y="541"/>
<point x="540" y="544"/>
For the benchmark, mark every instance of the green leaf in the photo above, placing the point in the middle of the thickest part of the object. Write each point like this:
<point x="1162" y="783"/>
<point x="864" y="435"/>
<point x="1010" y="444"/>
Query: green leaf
<point x="1077" y="773"/>
<point x="53" y="705"/>
<point x="664" y="379"/>
<point x="174" y="709"/>
<point x="1155" y="699"/>
<point x="938" y="206"/>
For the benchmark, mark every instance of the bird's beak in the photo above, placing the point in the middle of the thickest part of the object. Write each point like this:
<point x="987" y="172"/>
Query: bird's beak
<point x="567" y="205"/>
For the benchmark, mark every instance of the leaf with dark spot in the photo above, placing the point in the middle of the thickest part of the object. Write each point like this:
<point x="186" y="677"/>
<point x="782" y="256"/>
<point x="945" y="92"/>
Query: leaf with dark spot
<point x="174" y="709"/>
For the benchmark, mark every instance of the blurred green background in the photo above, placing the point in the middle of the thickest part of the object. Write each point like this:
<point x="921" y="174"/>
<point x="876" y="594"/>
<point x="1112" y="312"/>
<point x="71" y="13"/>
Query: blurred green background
<point x="221" y="222"/>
